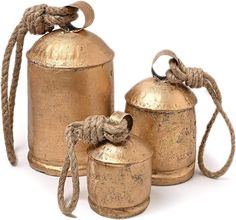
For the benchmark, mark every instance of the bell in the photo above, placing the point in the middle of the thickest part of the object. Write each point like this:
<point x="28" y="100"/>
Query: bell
<point x="119" y="167"/>
<point x="70" y="76"/>
<point x="164" y="117"/>
<point x="117" y="173"/>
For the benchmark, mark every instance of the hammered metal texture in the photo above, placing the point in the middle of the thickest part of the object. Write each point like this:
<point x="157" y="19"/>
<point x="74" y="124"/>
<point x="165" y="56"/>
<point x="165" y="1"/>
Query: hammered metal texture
<point x="70" y="50"/>
<point x="65" y="84"/>
<point x="170" y="133"/>
<point x="159" y="95"/>
<point x="116" y="178"/>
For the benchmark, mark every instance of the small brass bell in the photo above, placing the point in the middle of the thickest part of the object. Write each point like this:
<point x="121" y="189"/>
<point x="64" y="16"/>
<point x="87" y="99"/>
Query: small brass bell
<point x="70" y="76"/>
<point x="119" y="167"/>
<point x="164" y="117"/>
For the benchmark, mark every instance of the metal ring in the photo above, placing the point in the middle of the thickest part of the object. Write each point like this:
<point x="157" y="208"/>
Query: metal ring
<point x="88" y="15"/>
<point x="118" y="116"/>
<point x="158" y="55"/>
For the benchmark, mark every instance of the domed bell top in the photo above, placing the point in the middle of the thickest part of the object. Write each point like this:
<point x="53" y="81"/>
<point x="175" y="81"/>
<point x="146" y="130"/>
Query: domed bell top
<point x="130" y="151"/>
<point x="160" y="95"/>
<point x="73" y="49"/>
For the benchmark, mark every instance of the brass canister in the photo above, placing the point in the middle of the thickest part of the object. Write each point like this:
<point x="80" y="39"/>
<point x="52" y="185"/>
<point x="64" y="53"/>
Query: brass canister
<point x="119" y="177"/>
<point x="70" y="76"/>
<point x="164" y="117"/>
<point x="119" y="170"/>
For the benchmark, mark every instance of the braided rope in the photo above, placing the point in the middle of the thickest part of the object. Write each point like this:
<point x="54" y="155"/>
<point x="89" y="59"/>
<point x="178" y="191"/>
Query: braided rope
<point x="197" y="78"/>
<point x="92" y="130"/>
<point x="38" y="19"/>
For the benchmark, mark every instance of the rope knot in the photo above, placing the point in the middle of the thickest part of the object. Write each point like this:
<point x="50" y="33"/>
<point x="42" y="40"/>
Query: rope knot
<point x="40" y="19"/>
<point x="92" y="130"/>
<point x="191" y="76"/>
<point x="95" y="129"/>
<point x="196" y="78"/>
<point x="116" y="132"/>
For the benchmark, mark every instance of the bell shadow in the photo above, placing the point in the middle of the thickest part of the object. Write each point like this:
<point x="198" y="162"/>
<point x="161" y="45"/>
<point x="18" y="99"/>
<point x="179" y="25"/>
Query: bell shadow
<point x="21" y="152"/>
<point x="165" y="197"/>
<point x="71" y="215"/>
<point x="211" y="164"/>
<point x="50" y="184"/>
<point x="21" y="148"/>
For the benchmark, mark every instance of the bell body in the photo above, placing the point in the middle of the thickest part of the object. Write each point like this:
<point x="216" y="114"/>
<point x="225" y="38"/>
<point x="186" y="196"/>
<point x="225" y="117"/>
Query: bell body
<point x="164" y="117"/>
<point x="70" y="76"/>
<point x="119" y="178"/>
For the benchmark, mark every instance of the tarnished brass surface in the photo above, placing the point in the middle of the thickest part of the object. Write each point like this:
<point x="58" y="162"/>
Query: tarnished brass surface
<point x="164" y="117"/>
<point x="70" y="76"/>
<point x="60" y="49"/>
<point x="116" y="176"/>
<point x="159" y="95"/>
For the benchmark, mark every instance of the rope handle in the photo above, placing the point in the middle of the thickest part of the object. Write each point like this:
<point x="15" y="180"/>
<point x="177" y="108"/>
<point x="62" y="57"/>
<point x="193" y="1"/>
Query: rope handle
<point x="92" y="130"/>
<point x="197" y="78"/>
<point x="38" y="19"/>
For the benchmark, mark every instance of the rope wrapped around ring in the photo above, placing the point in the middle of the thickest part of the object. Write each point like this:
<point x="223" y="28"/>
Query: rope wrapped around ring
<point x="38" y="19"/>
<point x="197" y="78"/>
<point x="92" y="130"/>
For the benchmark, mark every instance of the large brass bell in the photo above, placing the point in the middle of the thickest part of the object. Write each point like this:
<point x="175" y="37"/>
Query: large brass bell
<point x="70" y="76"/>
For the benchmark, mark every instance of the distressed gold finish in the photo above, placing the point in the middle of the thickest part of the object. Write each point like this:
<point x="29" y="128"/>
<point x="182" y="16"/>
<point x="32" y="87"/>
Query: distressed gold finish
<point x="164" y="117"/>
<point x="119" y="177"/>
<point x="70" y="76"/>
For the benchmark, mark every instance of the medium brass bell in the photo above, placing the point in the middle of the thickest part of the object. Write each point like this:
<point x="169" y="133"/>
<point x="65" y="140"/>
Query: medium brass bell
<point x="119" y="167"/>
<point x="164" y="117"/>
<point x="70" y="76"/>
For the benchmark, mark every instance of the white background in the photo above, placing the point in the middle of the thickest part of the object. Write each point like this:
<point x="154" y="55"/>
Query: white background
<point x="202" y="33"/>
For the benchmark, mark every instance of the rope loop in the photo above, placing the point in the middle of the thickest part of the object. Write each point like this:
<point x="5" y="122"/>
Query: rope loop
<point x="93" y="130"/>
<point x="38" y="19"/>
<point x="197" y="78"/>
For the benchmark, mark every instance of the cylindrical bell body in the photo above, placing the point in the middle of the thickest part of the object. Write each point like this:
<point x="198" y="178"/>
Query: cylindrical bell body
<point x="70" y="76"/>
<point x="119" y="178"/>
<point x="164" y="117"/>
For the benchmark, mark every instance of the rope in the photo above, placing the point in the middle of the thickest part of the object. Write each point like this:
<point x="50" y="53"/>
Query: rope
<point x="92" y="130"/>
<point x="197" y="78"/>
<point x="38" y="19"/>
